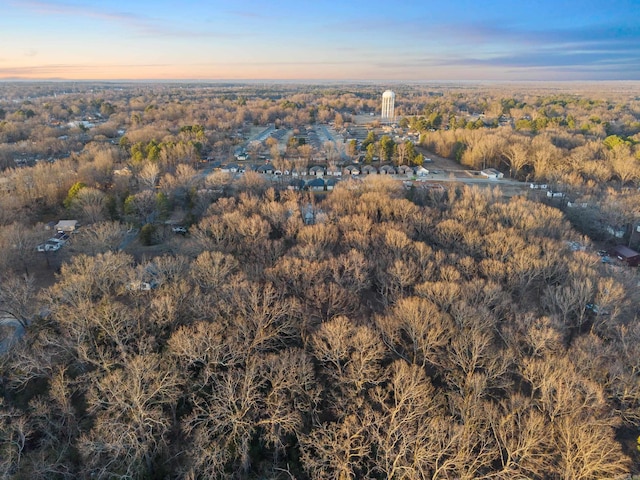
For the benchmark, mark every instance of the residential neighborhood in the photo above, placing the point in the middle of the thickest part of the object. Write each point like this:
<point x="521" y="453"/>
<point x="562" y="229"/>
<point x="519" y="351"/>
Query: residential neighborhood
<point x="319" y="281"/>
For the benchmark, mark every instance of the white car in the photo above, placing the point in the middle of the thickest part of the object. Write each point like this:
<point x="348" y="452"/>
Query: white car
<point x="181" y="230"/>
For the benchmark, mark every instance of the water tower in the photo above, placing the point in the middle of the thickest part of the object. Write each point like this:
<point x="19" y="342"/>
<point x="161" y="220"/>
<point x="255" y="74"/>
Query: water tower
<point x="388" y="100"/>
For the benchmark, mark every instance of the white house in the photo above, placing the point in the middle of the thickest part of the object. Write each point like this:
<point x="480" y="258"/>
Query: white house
<point x="492" y="173"/>
<point x="420" y="171"/>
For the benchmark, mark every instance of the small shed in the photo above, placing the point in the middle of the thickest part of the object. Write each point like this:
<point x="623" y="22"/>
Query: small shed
<point x="369" y="170"/>
<point x="626" y="255"/>
<point x="67" y="226"/>
<point x="387" y="170"/>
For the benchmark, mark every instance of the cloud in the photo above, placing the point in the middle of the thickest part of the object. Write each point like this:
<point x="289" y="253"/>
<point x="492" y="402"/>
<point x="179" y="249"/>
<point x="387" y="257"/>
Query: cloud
<point x="542" y="57"/>
<point x="141" y="24"/>
<point x="291" y="63"/>
<point x="601" y="50"/>
<point x="71" y="70"/>
<point x="594" y="36"/>
<point x="63" y="8"/>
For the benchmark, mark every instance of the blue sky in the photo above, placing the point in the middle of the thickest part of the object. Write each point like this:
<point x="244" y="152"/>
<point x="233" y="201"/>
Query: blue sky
<point x="322" y="40"/>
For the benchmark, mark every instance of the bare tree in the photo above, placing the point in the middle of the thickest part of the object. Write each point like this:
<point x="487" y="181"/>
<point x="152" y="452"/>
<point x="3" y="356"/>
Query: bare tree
<point x="351" y="355"/>
<point x="15" y="431"/>
<point x="521" y="434"/>
<point x="89" y="205"/>
<point x="100" y="237"/>
<point x="337" y="450"/>
<point x="18" y="246"/>
<point x="401" y="423"/>
<point x="131" y="426"/>
<point x="416" y="331"/>
<point x="518" y="155"/>
<point x="149" y="175"/>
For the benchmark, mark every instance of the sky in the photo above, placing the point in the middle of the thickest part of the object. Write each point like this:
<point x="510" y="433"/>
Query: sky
<point x="346" y="40"/>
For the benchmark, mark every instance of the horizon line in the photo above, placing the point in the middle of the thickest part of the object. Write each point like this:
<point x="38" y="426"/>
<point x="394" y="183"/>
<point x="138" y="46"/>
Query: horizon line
<point x="302" y="80"/>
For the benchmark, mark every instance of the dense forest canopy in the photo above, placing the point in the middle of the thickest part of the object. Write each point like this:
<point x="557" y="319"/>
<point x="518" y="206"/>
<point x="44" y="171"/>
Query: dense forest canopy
<point x="201" y="324"/>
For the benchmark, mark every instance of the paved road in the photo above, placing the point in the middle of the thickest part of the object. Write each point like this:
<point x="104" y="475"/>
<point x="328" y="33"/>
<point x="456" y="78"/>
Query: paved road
<point x="445" y="177"/>
<point x="327" y="135"/>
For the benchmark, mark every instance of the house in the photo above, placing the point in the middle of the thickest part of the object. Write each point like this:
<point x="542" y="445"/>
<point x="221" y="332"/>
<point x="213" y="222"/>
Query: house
<point x="308" y="215"/>
<point x="420" y="171"/>
<point x="405" y="170"/>
<point x="387" y="170"/>
<point x="299" y="172"/>
<point x="67" y="226"/>
<point x="626" y="255"/>
<point x="351" y="170"/>
<point x="316" y="185"/>
<point x="334" y="171"/>
<point x="233" y="167"/>
<point x="492" y="173"/>
<point x="369" y="170"/>
<point x="296" y="184"/>
<point x="317" y="171"/>
<point x="331" y="183"/>
<point x="266" y="169"/>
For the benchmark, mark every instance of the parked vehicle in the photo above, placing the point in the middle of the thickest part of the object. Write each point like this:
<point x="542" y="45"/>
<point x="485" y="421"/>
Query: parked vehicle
<point x="142" y="286"/>
<point x="49" y="247"/>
